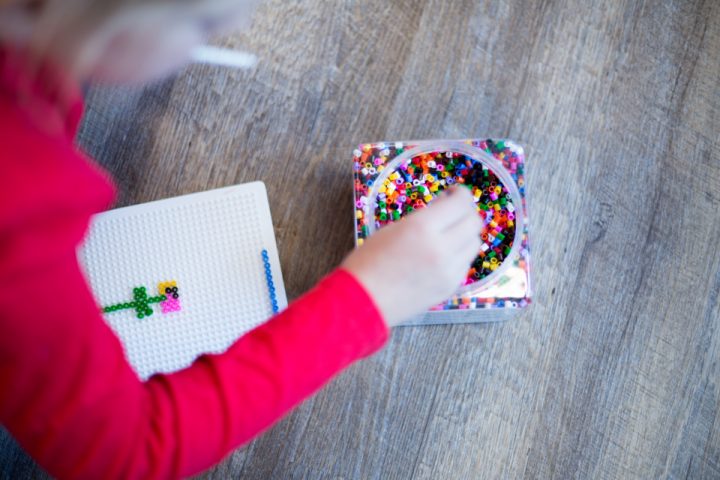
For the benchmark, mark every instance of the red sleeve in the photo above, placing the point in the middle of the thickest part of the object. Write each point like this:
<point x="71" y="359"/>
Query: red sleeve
<point x="68" y="394"/>
<point x="73" y="402"/>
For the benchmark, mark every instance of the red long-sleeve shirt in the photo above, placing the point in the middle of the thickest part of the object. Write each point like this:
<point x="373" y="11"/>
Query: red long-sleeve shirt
<point x="67" y="393"/>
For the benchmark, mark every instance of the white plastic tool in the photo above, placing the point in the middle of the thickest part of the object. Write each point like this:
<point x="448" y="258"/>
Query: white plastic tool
<point x="223" y="56"/>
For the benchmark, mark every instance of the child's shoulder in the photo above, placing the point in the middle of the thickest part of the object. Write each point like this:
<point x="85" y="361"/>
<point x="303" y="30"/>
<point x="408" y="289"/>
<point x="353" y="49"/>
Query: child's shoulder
<point x="41" y="170"/>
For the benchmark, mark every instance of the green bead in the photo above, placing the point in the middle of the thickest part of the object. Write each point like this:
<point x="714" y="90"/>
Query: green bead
<point x="500" y="145"/>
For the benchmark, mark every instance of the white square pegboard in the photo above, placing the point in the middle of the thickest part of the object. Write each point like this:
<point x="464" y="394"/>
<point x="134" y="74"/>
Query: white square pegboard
<point x="210" y="245"/>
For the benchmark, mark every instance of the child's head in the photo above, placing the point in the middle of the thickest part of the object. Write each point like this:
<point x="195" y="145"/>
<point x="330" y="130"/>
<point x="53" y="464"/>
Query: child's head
<point x="118" y="40"/>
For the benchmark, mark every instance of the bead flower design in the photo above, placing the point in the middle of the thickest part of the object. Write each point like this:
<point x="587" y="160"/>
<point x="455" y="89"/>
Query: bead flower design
<point x="168" y="298"/>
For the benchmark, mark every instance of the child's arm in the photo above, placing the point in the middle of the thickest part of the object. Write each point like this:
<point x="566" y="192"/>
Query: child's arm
<point x="72" y="400"/>
<point x="67" y="392"/>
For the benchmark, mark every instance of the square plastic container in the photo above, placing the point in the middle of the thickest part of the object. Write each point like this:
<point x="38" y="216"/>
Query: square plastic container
<point x="506" y="289"/>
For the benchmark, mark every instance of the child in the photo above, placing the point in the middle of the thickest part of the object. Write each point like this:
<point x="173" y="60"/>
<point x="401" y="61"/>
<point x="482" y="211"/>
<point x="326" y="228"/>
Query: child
<point x="68" y="394"/>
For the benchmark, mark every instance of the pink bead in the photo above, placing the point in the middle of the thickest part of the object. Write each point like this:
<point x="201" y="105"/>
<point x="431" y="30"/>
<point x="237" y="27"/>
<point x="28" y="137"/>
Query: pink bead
<point x="170" y="305"/>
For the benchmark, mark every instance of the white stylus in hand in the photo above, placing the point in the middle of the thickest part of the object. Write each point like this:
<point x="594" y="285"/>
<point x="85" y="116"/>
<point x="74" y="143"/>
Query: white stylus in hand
<point x="223" y="56"/>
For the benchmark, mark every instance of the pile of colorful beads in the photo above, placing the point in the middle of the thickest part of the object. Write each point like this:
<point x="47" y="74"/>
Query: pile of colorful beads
<point x="419" y="180"/>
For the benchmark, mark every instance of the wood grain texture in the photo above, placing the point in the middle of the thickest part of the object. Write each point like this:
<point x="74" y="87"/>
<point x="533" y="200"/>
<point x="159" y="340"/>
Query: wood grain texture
<point x="614" y="372"/>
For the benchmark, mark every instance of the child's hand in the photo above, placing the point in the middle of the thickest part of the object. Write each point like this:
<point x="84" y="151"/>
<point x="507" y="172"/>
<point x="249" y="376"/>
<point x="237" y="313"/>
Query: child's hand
<point x="420" y="261"/>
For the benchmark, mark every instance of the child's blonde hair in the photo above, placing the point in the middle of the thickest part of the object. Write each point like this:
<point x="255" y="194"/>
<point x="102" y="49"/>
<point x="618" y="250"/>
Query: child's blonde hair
<point x="120" y="37"/>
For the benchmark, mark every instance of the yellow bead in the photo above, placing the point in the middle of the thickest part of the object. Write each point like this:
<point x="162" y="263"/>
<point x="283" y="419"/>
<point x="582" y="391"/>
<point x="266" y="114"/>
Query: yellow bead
<point x="358" y="214"/>
<point x="360" y="241"/>
<point x="428" y="198"/>
<point x="486" y="264"/>
<point x="163" y="285"/>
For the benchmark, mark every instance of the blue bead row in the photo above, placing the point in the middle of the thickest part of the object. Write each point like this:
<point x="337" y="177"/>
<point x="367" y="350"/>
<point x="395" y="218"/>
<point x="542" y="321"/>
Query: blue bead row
<point x="270" y="283"/>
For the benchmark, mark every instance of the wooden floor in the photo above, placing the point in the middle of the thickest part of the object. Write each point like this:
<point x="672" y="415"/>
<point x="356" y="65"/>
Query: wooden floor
<point x="614" y="372"/>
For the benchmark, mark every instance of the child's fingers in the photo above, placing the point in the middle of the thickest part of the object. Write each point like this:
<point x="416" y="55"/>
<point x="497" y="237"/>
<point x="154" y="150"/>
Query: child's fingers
<point x="448" y="209"/>
<point x="464" y="239"/>
<point x="466" y="252"/>
<point x="468" y="227"/>
<point x="464" y="249"/>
